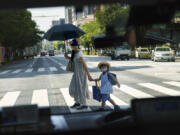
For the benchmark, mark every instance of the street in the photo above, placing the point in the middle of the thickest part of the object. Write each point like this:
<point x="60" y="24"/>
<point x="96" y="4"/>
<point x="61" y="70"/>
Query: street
<point x="44" y="80"/>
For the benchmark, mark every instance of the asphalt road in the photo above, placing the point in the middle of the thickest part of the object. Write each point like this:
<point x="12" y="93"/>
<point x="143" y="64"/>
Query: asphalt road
<point x="44" y="81"/>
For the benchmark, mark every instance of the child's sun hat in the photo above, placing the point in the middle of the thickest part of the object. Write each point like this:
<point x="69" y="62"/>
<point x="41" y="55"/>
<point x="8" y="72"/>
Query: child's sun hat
<point x="104" y="63"/>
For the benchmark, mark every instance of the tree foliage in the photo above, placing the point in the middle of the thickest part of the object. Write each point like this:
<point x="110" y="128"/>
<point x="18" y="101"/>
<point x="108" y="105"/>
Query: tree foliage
<point x="18" y="30"/>
<point x="113" y="15"/>
<point x="91" y="29"/>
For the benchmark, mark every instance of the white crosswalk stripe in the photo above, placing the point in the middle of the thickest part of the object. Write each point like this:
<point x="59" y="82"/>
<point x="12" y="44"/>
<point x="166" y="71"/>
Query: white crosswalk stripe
<point x="161" y="89"/>
<point x="9" y="99"/>
<point x="16" y="71"/>
<point x="60" y="64"/>
<point x="41" y="69"/>
<point x="40" y="97"/>
<point x="116" y="100"/>
<point x="177" y="84"/>
<point x="133" y="92"/>
<point x="63" y="67"/>
<point x="5" y="72"/>
<point x="29" y="70"/>
<point x="70" y="101"/>
<point x="53" y="69"/>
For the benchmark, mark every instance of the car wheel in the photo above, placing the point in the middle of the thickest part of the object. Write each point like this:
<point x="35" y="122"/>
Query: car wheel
<point x="127" y="58"/>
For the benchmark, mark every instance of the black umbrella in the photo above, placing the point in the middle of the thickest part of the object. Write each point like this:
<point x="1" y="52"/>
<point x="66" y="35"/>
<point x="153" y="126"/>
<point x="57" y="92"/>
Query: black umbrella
<point x="63" y="32"/>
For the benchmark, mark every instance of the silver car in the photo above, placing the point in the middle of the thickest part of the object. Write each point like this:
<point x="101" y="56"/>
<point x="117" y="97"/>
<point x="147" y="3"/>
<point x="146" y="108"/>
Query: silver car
<point x="163" y="54"/>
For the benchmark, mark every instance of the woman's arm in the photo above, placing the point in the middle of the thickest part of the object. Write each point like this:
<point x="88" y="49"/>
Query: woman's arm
<point x="66" y="56"/>
<point x="86" y="68"/>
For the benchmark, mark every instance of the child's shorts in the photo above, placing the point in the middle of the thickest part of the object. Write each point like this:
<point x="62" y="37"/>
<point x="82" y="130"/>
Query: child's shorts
<point x="105" y="97"/>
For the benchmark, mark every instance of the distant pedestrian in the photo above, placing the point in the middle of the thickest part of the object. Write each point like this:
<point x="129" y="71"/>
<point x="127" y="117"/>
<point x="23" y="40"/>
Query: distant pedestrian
<point x="78" y="88"/>
<point x="106" y="86"/>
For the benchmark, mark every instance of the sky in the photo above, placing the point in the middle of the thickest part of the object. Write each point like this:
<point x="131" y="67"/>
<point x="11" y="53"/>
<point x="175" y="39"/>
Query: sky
<point x="44" y="16"/>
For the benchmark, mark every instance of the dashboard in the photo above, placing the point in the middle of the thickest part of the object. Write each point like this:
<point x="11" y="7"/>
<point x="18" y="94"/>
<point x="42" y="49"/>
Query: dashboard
<point x="146" y="116"/>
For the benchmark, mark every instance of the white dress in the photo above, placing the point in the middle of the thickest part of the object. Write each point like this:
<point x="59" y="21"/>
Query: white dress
<point x="78" y="88"/>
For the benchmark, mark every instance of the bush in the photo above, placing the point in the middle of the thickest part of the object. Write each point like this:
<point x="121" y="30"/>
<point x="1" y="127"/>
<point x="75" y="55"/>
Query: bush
<point x="91" y="53"/>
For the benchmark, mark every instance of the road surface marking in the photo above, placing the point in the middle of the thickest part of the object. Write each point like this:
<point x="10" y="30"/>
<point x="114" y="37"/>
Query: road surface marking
<point x="29" y="70"/>
<point x="70" y="101"/>
<point x="60" y="64"/>
<point x="173" y="83"/>
<point x="63" y="67"/>
<point x="161" y="89"/>
<point x="16" y="71"/>
<point x="40" y="97"/>
<point x="52" y="69"/>
<point x="119" y="102"/>
<point x="41" y="69"/>
<point x="9" y="99"/>
<point x="133" y="92"/>
<point x="5" y="72"/>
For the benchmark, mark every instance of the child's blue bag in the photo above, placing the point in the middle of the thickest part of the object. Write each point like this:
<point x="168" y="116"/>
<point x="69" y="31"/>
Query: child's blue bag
<point x="96" y="93"/>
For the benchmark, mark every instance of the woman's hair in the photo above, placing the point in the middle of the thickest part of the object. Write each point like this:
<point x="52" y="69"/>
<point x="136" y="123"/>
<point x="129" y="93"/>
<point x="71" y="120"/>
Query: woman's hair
<point x="72" y="55"/>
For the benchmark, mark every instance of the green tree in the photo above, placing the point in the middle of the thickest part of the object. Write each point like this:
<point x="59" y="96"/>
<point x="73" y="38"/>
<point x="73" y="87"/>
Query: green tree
<point x="58" y="44"/>
<point x="113" y="15"/>
<point x="91" y="29"/>
<point x="18" y="30"/>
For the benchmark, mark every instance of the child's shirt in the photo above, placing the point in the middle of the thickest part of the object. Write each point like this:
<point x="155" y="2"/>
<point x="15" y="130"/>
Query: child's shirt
<point x="106" y="87"/>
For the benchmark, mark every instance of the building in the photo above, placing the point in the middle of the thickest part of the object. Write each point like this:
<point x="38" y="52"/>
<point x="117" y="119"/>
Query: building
<point x="68" y="15"/>
<point x="57" y="22"/>
<point x="79" y="18"/>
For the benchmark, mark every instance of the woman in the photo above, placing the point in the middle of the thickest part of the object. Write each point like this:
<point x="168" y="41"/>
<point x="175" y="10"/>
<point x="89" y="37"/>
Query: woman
<point x="78" y="88"/>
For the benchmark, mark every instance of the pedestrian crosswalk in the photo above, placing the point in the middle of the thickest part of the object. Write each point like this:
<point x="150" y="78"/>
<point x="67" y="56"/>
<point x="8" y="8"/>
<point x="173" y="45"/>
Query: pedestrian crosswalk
<point x="155" y="87"/>
<point x="141" y="90"/>
<point x="4" y="72"/>
<point x="31" y="70"/>
<point x="40" y="97"/>
<point x="9" y="98"/>
<point x="16" y="71"/>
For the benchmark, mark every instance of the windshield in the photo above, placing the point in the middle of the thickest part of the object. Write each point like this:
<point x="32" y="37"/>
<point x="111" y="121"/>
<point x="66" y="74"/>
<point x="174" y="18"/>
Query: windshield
<point x="60" y="68"/>
<point x="162" y="49"/>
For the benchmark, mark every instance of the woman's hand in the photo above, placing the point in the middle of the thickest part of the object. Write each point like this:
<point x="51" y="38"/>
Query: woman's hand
<point x="90" y="78"/>
<point x="66" y="56"/>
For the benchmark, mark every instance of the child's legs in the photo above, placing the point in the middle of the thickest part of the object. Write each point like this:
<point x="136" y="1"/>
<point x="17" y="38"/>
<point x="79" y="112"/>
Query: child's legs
<point x="112" y="102"/>
<point x="104" y="99"/>
<point x="103" y="104"/>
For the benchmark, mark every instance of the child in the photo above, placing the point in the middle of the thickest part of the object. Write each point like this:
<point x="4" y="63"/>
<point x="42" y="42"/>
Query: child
<point x="106" y="87"/>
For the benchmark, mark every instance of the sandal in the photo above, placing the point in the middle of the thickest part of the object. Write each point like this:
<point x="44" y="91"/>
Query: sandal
<point x="75" y="105"/>
<point x="82" y="107"/>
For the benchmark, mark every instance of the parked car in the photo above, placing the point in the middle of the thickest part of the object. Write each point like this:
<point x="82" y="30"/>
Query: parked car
<point x="142" y="53"/>
<point x="122" y="52"/>
<point x="163" y="53"/>
<point x="43" y="53"/>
